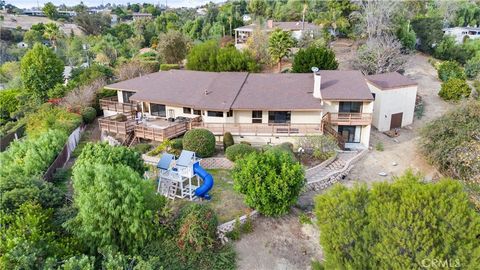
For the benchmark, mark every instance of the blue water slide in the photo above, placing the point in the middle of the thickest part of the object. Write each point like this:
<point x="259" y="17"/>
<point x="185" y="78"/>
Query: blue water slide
<point x="202" y="191"/>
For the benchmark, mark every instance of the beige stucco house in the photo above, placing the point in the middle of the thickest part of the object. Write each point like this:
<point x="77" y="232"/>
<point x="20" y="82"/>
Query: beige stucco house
<point x="255" y="107"/>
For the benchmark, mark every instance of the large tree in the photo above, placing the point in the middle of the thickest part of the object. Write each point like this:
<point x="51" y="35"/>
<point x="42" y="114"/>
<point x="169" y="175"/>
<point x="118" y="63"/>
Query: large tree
<point x="173" y="46"/>
<point x="50" y="11"/>
<point x="407" y="224"/>
<point x="429" y="32"/>
<point x="320" y="57"/>
<point x="40" y="70"/>
<point x="280" y="45"/>
<point x="52" y="33"/>
<point x="93" y="24"/>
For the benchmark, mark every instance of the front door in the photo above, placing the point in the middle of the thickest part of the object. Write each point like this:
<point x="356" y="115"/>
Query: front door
<point x="396" y="121"/>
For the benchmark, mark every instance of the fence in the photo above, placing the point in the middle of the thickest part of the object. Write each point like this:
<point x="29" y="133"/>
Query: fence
<point x="64" y="155"/>
<point x="10" y="137"/>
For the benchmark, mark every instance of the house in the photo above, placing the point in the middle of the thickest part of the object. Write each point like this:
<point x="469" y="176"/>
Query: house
<point x="22" y="45"/>
<point x="462" y="33"/>
<point x="298" y="29"/>
<point x="394" y="100"/>
<point x="256" y="107"/>
<point x="138" y="16"/>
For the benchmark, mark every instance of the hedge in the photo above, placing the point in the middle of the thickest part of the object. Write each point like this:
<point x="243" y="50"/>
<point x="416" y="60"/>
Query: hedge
<point x="238" y="151"/>
<point x="200" y="141"/>
<point x="165" y="67"/>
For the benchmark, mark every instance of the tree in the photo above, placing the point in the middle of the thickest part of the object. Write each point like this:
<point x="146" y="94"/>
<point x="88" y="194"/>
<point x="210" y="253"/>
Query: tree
<point x="257" y="7"/>
<point x="131" y="70"/>
<point x="454" y="89"/>
<point x="50" y="11"/>
<point x="335" y="17"/>
<point x="8" y="103"/>
<point x="280" y="44"/>
<point x="271" y="182"/>
<point x="93" y="24"/>
<point x="380" y="55"/>
<point x="406" y="36"/>
<point x="40" y="71"/>
<point x="231" y="59"/>
<point x="320" y="57"/>
<point x="450" y="70"/>
<point x="429" y="32"/>
<point x="200" y="141"/>
<point x="257" y="45"/>
<point x="116" y="206"/>
<point x="52" y="33"/>
<point x="378" y="17"/>
<point x="448" y="49"/>
<point x="409" y="222"/>
<point x="33" y="36"/>
<point x="173" y="47"/>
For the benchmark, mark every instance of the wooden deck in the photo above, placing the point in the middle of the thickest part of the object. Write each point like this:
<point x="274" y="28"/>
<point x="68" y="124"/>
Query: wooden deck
<point x="160" y="134"/>
<point x="261" y="129"/>
<point x="110" y="124"/>
<point x="112" y="104"/>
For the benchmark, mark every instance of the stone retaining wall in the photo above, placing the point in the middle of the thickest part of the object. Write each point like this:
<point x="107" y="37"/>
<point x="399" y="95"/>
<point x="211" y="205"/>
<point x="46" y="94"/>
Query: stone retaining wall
<point x="229" y="226"/>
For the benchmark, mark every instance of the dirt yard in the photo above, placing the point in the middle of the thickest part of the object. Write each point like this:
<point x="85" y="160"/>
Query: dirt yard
<point x="284" y="243"/>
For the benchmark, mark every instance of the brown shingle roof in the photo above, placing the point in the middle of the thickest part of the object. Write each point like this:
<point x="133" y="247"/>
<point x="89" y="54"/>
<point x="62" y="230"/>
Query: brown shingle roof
<point x="240" y="90"/>
<point x="277" y="92"/>
<point x="186" y="88"/>
<point x="390" y="80"/>
<point x="344" y="85"/>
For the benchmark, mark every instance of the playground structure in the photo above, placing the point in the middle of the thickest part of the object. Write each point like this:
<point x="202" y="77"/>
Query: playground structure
<point x="183" y="178"/>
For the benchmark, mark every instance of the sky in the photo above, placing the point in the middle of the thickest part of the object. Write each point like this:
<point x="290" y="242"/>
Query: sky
<point x="171" y="3"/>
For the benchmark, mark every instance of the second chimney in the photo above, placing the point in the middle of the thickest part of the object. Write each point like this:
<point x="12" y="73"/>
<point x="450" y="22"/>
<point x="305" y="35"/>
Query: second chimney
<point x="270" y="24"/>
<point x="317" y="82"/>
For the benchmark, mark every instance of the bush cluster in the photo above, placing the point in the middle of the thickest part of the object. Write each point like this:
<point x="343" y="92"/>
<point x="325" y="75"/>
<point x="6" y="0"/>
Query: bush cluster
<point x="450" y="70"/>
<point x="49" y="117"/>
<point x="200" y="141"/>
<point x="89" y="114"/>
<point x="271" y="182"/>
<point x="320" y="57"/>
<point x="227" y="140"/>
<point x="454" y="89"/>
<point x="238" y="151"/>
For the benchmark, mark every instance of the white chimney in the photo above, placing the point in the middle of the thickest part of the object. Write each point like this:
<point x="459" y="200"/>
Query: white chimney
<point x="317" y="82"/>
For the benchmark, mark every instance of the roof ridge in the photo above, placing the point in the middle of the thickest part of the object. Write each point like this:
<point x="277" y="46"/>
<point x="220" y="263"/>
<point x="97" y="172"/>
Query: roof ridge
<point x="239" y="90"/>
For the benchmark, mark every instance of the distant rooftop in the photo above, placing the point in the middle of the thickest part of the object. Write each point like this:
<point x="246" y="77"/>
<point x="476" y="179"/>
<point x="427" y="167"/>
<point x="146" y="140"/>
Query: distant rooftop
<point x="286" y="26"/>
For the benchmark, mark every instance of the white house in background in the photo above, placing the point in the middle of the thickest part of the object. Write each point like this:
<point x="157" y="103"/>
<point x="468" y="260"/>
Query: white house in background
<point x="394" y="100"/>
<point x="461" y="33"/>
<point x="246" y="18"/>
<point x="22" y="45"/>
<point x="138" y="16"/>
<point x="298" y="29"/>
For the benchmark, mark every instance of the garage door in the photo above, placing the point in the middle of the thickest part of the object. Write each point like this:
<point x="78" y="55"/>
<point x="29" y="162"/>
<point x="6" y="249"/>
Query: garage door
<point x="396" y="121"/>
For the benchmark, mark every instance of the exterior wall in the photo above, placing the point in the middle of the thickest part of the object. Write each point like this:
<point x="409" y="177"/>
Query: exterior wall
<point x="305" y="117"/>
<point x="388" y="102"/>
<point x="120" y="96"/>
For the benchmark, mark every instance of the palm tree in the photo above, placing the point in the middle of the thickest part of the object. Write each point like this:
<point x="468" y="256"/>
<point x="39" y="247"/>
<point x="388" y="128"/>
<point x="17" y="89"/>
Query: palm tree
<point x="279" y="46"/>
<point x="52" y="33"/>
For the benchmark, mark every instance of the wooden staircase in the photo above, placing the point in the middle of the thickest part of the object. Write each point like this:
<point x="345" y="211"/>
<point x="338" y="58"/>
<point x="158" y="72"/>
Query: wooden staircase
<point x="328" y="129"/>
<point x="130" y="139"/>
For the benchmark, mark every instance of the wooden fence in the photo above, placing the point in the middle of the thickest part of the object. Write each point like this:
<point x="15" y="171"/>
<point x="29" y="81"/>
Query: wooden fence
<point x="10" y="137"/>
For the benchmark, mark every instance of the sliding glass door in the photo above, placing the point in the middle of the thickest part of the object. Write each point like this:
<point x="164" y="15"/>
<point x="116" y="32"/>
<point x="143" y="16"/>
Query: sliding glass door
<point x="158" y="110"/>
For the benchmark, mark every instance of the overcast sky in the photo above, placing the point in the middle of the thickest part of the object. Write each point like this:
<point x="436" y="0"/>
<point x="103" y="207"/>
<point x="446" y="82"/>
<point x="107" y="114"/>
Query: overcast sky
<point x="171" y="3"/>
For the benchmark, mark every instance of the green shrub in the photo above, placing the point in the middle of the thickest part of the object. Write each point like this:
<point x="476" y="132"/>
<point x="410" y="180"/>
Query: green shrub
<point x="270" y="182"/>
<point x="472" y="67"/>
<point x="450" y="69"/>
<point x="379" y="146"/>
<point x="238" y="151"/>
<point x="304" y="219"/>
<point x="176" y="146"/>
<point x="89" y="114"/>
<point x="163" y="147"/>
<point x="197" y="229"/>
<point x="454" y="89"/>
<point x="279" y="149"/>
<point x="200" y="141"/>
<point x="227" y="140"/>
<point x="321" y="57"/>
<point x="321" y="147"/>
<point x="245" y="142"/>
<point x="57" y="92"/>
<point x="8" y="103"/>
<point x="448" y="49"/>
<point x="51" y="117"/>
<point x="165" y="67"/>
<point x="142" y="148"/>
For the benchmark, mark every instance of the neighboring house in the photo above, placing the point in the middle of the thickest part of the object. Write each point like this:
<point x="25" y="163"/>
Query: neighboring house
<point x="246" y="18"/>
<point x="462" y="33"/>
<point x="22" y="44"/>
<point x="395" y="97"/>
<point x="298" y="29"/>
<point x="255" y="107"/>
<point x="138" y="16"/>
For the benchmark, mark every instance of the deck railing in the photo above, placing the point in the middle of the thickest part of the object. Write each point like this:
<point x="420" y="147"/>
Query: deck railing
<point x="112" y="104"/>
<point x="160" y="134"/>
<point x="261" y="129"/>
<point x="341" y="118"/>
<point x="114" y="125"/>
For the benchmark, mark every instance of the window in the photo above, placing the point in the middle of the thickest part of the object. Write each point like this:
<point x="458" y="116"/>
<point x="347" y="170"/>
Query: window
<point x="158" y="110"/>
<point x="230" y="113"/>
<point x="256" y="117"/>
<point x="279" y="117"/>
<point x="197" y="112"/>
<point x="126" y="96"/>
<point x="351" y="134"/>
<point x="350" y="107"/>
<point x="187" y="110"/>
<point x="215" y="114"/>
